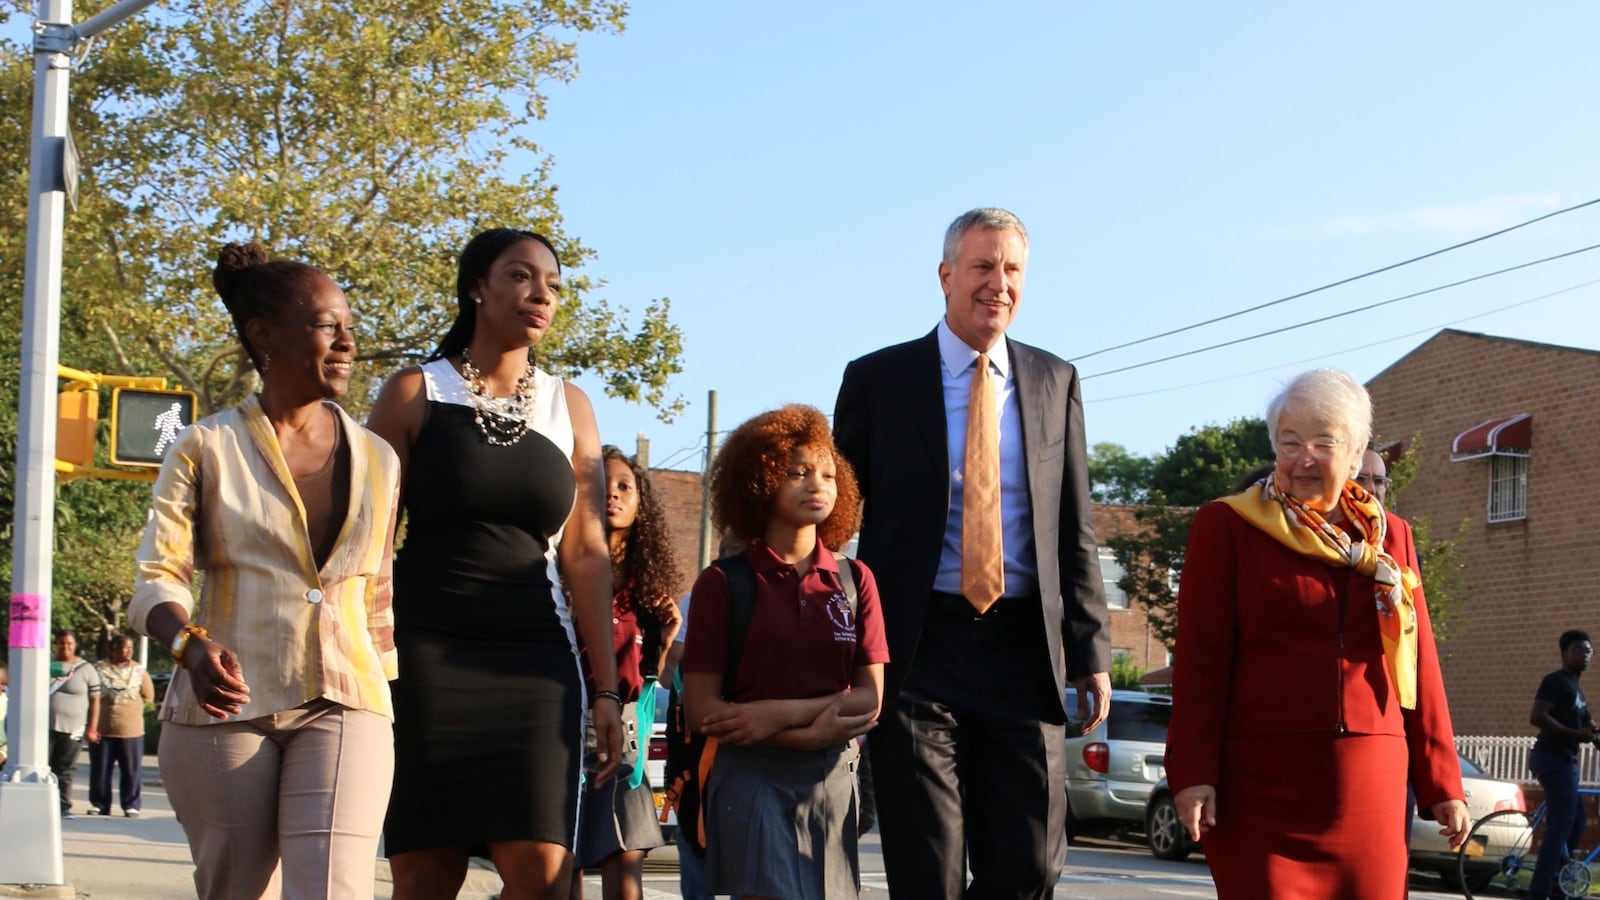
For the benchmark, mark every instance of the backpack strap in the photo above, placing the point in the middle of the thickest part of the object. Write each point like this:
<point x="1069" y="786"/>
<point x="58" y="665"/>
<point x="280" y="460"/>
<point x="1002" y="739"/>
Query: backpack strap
<point x="847" y="580"/>
<point x="741" y="605"/>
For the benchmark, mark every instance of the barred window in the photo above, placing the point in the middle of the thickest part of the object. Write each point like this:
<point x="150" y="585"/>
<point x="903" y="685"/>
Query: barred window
<point x="1508" y="488"/>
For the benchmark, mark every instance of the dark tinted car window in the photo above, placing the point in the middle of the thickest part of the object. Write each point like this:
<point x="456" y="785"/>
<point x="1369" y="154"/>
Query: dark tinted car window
<point x="1139" y="722"/>
<point x="1470" y="768"/>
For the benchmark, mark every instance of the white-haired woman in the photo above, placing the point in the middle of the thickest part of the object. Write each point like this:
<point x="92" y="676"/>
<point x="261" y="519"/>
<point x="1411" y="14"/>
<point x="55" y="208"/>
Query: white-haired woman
<point x="1307" y="684"/>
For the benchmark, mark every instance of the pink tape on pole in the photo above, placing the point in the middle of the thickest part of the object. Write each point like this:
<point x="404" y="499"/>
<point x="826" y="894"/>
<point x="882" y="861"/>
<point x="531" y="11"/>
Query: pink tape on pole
<point x="28" y="630"/>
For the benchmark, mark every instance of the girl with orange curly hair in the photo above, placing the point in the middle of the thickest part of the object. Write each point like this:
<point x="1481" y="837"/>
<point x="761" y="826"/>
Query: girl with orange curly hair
<point x="809" y="676"/>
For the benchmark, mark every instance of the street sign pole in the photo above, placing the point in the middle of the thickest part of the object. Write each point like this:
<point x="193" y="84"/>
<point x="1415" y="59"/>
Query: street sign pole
<point x="30" y="823"/>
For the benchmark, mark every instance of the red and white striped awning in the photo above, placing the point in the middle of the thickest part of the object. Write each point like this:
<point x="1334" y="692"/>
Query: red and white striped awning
<point x="1503" y="435"/>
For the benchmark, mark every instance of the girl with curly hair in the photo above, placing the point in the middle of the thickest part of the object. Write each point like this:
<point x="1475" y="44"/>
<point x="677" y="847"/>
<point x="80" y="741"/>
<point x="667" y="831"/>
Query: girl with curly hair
<point x="617" y="826"/>
<point x="780" y="806"/>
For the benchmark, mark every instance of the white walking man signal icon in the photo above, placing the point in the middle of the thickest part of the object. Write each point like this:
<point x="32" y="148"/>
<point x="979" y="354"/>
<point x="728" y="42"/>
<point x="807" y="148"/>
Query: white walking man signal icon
<point x="169" y="424"/>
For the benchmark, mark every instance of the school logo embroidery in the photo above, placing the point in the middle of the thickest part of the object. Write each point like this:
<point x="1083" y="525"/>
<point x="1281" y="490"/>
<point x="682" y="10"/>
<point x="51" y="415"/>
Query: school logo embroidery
<point x="844" y="621"/>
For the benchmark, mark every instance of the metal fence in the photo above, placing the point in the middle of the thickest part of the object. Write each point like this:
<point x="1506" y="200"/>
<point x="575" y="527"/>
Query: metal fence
<point x="1506" y="758"/>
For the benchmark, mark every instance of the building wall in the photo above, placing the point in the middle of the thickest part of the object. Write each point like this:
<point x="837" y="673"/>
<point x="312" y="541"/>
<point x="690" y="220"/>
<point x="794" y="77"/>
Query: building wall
<point x="679" y="496"/>
<point x="1532" y="578"/>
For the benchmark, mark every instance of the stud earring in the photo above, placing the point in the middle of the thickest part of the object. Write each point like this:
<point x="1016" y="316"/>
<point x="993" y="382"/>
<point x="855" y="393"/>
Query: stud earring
<point x="478" y="300"/>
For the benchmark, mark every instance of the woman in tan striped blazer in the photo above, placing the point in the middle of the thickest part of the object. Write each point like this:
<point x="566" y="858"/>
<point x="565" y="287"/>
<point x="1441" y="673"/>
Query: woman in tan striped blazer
<point x="276" y="749"/>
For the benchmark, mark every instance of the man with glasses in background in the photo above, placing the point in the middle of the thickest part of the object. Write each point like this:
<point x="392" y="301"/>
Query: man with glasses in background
<point x="1374" y="476"/>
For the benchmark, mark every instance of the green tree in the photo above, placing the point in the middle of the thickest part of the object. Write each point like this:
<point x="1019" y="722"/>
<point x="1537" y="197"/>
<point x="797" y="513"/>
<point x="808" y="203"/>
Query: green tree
<point x="370" y="139"/>
<point x="1117" y="476"/>
<point x="1125" y="675"/>
<point x="1204" y="464"/>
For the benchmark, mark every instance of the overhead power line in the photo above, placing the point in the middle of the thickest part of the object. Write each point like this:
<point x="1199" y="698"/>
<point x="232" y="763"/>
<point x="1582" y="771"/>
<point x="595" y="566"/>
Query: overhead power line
<point x="1334" y="284"/>
<point x="1310" y="359"/>
<point x="1348" y="312"/>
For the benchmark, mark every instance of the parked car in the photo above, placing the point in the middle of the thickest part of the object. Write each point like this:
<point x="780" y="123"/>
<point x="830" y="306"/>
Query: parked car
<point x="655" y="765"/>
<point x="1112" y="769"/>
<point x="1430" y="851"/>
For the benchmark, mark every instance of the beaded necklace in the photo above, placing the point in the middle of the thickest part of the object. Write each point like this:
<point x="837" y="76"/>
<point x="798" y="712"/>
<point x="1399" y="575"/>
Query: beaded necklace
<point x="501" y="420"/>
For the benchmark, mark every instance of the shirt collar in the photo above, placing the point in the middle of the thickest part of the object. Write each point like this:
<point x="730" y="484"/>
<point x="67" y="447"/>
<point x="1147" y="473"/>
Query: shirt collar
<point x="764" y="559"/>
<point x="957" y="357"/>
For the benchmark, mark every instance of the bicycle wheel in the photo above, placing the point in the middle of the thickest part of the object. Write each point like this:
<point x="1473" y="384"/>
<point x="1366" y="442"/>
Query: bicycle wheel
<point x="1574" y="878"/>
<point x="1498" y="855"/>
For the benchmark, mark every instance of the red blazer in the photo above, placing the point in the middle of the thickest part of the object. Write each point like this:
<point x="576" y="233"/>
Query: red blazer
<point x="1273" y="643"/>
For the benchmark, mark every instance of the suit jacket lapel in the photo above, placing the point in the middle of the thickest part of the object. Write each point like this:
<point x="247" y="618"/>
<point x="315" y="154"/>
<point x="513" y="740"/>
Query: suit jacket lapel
<point x="266" y="442"/>
<point x="1034" y="401"/>
<point x="924" y="380"/>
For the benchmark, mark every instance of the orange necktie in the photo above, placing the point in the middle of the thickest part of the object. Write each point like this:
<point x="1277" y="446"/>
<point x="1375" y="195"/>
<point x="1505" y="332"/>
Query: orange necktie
<point x="983" y="566"/>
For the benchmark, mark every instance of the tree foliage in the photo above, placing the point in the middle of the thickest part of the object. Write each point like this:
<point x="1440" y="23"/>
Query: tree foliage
<point x="1117" y="476"/>
<point x="370" y="139"/>
<point x="1204" y="464"/>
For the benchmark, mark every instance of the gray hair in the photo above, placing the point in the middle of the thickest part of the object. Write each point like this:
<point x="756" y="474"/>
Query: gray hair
<point x="1329" y="395"/>
<point x="989" y="217"/>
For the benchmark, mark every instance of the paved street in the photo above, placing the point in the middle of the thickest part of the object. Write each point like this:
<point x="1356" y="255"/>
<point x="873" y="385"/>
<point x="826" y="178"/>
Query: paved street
<point x="147" y="859"/>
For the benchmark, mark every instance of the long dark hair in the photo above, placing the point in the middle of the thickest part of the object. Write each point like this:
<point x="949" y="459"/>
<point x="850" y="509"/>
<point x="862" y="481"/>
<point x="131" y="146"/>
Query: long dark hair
<point x="252" y="287"/>
<point x="648" y="563"/>
<point x="476" y="258"/>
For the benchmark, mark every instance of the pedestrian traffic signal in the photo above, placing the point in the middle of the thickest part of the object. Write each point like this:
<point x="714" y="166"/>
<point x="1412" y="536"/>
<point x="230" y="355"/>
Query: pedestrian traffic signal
<point x="145" y="424"/>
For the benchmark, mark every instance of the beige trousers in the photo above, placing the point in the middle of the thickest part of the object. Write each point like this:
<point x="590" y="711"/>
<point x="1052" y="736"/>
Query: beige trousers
<point x="307" y="786"/>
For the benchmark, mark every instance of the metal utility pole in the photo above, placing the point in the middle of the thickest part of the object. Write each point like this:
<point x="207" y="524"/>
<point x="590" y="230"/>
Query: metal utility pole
<point x="708" y="541"/>
<point x="30" y="817"/>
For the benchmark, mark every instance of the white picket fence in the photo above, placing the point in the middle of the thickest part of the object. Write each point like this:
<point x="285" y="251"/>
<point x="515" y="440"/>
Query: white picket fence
<point x="1506" y="758"/>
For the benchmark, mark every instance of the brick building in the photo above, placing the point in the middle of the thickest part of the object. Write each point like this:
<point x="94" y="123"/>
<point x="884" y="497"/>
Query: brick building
<point x="679" y="495"/>
<point x="1509" y="431"/>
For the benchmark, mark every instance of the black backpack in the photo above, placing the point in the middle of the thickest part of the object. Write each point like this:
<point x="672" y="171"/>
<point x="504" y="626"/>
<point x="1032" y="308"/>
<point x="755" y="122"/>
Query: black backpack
<point x="685" y="749"/>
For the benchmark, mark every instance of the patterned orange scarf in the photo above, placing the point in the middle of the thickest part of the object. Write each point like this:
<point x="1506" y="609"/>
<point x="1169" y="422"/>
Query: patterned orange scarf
<point x="1304" y="530"/>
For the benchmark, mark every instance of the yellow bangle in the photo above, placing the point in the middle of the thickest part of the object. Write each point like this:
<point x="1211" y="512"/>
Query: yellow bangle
<point x="180" y="643"/>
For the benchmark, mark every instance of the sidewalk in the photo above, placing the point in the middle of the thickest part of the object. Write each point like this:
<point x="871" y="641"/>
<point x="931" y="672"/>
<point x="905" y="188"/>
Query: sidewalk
<point x="117" y="858"/>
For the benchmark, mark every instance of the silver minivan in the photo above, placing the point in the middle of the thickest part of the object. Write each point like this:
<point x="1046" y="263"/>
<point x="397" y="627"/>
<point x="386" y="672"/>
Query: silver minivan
<point x="1112" y="769"/>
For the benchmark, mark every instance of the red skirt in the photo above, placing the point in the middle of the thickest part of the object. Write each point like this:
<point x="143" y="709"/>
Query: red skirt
<point x="1311" y="817"/>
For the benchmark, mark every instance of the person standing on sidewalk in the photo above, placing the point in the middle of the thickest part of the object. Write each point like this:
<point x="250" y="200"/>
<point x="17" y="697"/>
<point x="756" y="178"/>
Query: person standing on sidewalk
<point x="1561" y="713"/>
<point x="277" y="740"/>
<point x="125" y="688"/>
<point x="74" y="712"/>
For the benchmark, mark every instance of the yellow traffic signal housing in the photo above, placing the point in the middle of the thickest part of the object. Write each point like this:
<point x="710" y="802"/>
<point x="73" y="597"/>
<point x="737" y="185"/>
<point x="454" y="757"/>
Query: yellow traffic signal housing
<point x="77" y="417"/>
<point x="145" y="424"/>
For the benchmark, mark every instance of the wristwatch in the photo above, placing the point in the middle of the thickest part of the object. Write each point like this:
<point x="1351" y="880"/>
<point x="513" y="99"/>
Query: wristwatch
<point x="181" y="642"/>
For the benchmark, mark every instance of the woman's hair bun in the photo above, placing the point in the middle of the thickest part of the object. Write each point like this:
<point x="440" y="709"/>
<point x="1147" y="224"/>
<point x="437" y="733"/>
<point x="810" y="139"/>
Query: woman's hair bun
<point x="232" y="261"/>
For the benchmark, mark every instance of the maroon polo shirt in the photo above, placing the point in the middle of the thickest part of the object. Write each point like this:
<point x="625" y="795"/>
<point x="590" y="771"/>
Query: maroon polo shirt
<point x="802" y="641"/>
<point x="627" y="642"/>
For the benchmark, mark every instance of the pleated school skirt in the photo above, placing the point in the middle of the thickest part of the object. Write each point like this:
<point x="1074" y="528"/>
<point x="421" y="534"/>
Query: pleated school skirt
<point x="781" y="824"/>
<point x="615" y="817"/>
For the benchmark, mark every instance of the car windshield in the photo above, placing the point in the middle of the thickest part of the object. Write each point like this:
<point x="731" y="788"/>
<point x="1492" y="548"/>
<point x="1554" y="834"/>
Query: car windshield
<point x="1139" y="722"/>
<point x="1469" y="768"/>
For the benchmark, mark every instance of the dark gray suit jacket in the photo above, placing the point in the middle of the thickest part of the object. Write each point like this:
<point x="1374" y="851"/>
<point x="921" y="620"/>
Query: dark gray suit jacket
<point x="889" y="422"/>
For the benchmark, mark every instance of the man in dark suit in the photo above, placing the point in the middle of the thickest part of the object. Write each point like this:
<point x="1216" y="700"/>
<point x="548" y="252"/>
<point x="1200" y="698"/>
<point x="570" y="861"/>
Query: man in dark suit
<point x="970" y="452"/>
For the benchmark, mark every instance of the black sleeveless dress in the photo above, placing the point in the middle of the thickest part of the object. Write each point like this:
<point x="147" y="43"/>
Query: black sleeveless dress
<point x="489" y="703"/>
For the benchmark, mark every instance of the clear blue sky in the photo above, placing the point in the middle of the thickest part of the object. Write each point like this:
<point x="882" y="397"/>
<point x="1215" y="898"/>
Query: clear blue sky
<point x="783" y="172"/>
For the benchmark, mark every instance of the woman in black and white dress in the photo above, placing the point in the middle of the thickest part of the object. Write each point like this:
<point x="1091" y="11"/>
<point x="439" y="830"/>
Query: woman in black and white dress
<point x="502" y="475"/>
